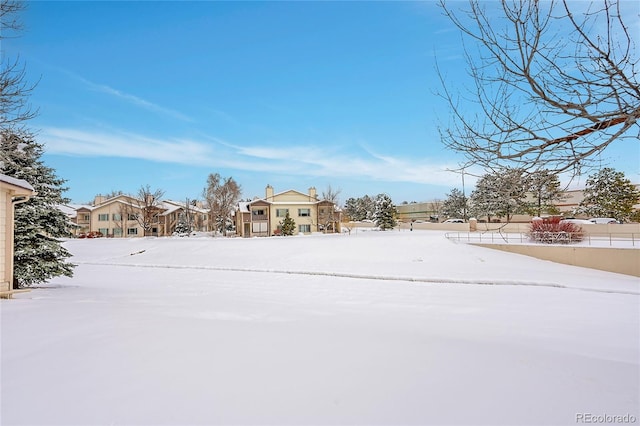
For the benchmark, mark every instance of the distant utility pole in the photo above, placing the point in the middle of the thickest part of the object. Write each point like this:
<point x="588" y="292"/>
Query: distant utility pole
<point x="464" y="199"/>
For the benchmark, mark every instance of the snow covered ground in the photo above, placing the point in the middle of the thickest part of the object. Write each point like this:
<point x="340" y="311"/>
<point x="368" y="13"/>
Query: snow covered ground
<point x="369" y="328"/>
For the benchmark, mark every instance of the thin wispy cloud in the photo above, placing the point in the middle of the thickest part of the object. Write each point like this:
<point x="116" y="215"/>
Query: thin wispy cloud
<point x="127" y="145"/>
<point x="303" y="160"/>
<point x="131" y="99"/>
<point x="139" y="102"/>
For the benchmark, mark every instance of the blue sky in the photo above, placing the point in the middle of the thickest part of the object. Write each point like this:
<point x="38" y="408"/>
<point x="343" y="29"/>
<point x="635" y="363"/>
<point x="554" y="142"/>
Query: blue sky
<point x="291" y="94"/>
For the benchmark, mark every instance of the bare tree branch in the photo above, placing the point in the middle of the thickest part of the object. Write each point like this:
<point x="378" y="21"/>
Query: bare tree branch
<point x="552" y="88"/>
<point x="14" y="88"/>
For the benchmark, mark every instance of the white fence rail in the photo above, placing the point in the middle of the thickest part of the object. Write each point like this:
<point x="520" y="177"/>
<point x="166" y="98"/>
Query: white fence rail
<point x="622" y="239"/>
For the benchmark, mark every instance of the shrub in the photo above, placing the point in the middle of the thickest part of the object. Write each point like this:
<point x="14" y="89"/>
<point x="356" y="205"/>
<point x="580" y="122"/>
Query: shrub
<point x="553" y="230"/>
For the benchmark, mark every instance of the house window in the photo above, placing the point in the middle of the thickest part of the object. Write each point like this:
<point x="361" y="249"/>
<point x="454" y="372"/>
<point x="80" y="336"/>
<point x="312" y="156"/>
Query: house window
<point x="304" y="212"/>
<point x="304" y="228"/>
<point x="132" y="216"/>
<point x="116" y="216"/>
<point x="321" y="211"/>
<point x="85" y="217"/>
<point x="281" y="212"/>
<point x="104" y="231"/>
<point x="132" y="231"/>
<point x="259" y="227"/>
<point x="103" y="217"/>
<point x="117" y="232"/>
<point x="257" y="212"/>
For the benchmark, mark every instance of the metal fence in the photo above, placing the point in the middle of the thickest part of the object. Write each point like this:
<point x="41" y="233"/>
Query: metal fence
<point x="622" y="239"/>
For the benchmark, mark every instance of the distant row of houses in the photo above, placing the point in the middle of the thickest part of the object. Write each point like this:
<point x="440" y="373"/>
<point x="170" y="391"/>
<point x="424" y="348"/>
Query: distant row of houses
<point x="126" y="216"/>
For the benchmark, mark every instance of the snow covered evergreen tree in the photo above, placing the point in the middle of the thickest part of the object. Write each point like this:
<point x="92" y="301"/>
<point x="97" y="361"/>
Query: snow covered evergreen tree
<point x="38" y="254"/>
<point x="455" y="205"/>
<point x="501" y="193"/>
<point x="358" y="209"/>
<point x="609" y="194"/>
<point x="183" y="226"/>
<point x="385" y="213"/>
<point x="544" y="187"/>
<point x="288" y="225"/>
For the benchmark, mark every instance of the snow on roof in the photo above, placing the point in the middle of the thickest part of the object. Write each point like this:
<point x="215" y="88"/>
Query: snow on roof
<point x="80" y="206"/>
<point x="243" y="206"/>
<point x="16" y="182"/>
<point x="172" y="206"/>
<point x="69" y="210"/>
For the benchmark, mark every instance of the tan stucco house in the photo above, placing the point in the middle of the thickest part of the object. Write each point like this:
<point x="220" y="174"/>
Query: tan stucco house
<point x="12" y="192"/>
<point x="263" y="216"/>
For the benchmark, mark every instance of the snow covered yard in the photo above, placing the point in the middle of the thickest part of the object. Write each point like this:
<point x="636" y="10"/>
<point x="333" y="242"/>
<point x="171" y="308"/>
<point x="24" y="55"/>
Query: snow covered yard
<point x="368" y="328"/>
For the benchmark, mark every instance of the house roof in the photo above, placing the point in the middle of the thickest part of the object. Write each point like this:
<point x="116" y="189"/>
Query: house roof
<point x="172" y="206"/>
<point x="117" y="199"/>
<point x="20" y="183"/>
<point x="243" y="206"/>
<point x="291" y="190"/>
<point x="309" y="199"/>
<point x="70" y="210"/>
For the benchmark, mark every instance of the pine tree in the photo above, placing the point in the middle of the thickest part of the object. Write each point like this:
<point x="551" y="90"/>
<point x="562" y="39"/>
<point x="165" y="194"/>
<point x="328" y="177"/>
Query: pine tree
<point x="288" y="225"/>
<point x="609" y="194"/>
<point x="544" y="187"/>
<point x="351" y="209"/>
<point x="38" y="254"/>
<point x="183" y="227"/>
<point x="385" y="213"/>
<point x="501" y="193"/>
<point x="455" y="205"/>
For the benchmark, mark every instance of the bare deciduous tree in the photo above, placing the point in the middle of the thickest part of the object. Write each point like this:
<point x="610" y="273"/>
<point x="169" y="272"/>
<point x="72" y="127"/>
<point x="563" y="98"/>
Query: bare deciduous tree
<point x="145" y="208"/>
<point x="553" y="85"/>
<point x="435" y="208"/>
<point x="14" y="87"/>
<point x="221" y="196"/>
<point x="330" y="218"/>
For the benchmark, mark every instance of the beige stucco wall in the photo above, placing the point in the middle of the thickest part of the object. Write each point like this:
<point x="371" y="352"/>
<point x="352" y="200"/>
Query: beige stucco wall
<point x="620" y="260"/>
<point x="7" y="192"/>
<point x="5" y="241"/>
<point x="111" y="209"/>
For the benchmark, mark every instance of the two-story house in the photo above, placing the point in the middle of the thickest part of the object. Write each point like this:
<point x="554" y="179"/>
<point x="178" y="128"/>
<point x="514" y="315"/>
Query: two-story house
<point x="112" y="217"/>
<point x="263" y="216"/>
